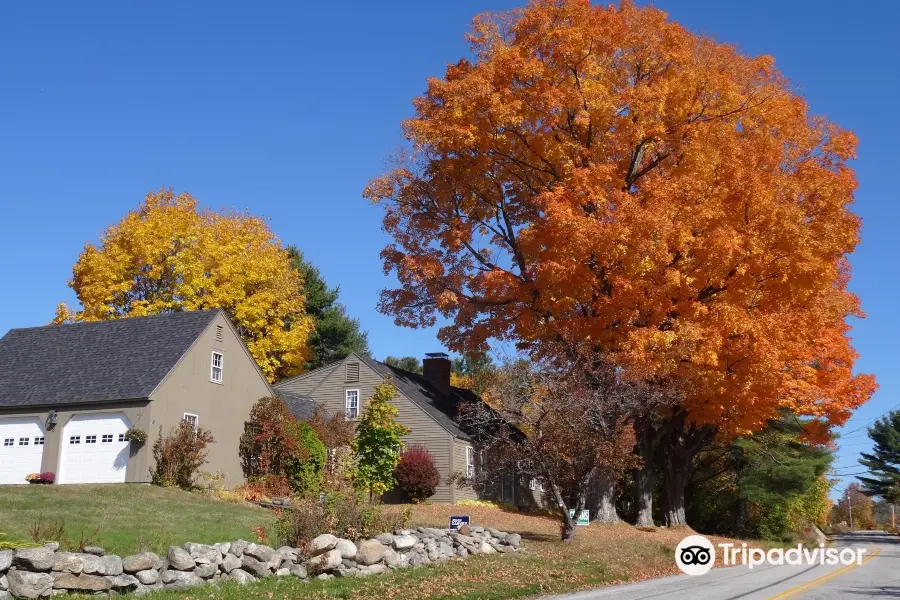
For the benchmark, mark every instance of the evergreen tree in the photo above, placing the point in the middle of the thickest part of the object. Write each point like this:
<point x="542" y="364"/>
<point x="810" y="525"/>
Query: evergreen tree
<point x="336" y="334"/>
<point x="473" y="371"/>
<point x="884" y="462"/>
<point x="377" y="447"/>
<point x="407" y="363"/>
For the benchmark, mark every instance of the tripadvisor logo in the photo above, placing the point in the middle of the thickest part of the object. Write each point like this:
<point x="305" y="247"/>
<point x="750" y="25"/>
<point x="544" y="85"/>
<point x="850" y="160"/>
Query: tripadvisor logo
<point x="695" y="555"/>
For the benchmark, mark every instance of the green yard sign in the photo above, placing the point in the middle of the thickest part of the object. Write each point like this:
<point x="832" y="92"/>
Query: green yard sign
<point x="584" y="518"/>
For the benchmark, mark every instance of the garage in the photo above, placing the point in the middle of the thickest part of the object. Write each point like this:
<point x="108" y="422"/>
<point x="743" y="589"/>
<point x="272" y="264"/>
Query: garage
<point x="94" y="449"/>
<point x="22" y="448"/>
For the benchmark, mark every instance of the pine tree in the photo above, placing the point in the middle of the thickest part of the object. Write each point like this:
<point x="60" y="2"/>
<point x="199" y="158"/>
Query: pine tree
<point x="407" y="363"/>
<point x="377" y="446"/>
<point x="884" y="462"/>
<point x="336" y="335"/>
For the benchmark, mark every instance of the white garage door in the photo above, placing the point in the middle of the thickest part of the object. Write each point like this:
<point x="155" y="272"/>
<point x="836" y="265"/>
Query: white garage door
<point x="22" y="446"/>
<point x="94" y="449"/>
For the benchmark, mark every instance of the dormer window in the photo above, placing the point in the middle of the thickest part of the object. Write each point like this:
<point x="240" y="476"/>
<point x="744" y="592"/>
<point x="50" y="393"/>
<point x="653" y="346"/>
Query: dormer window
<point x="218" y="362"/>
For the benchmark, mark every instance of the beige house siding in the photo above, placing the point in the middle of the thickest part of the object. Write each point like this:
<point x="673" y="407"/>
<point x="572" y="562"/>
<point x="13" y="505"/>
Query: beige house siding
<point x="221" y="408"/>
<point x="306" y="383"/>
<point x="424" y="430"/>
<point x="137" y="469"/>
<point x="459" y="466"/>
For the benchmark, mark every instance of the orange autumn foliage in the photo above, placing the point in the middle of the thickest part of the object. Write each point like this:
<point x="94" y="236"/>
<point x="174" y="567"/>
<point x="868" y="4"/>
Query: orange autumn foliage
<point x="602" y="177"/>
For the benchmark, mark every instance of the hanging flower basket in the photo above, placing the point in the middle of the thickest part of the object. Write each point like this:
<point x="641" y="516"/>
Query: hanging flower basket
<point x="136" y="436"/>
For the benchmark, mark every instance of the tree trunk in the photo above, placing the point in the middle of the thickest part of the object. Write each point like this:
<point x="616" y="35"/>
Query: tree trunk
<point x="643" y="477"/>
<point x="675" y="478"/>
<point x="604" y="505"/>
<point x="681" y="443"/>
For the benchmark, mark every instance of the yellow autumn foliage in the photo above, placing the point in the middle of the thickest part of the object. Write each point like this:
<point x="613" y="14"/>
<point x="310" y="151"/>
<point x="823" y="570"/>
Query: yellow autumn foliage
<point x="171" y="255"/>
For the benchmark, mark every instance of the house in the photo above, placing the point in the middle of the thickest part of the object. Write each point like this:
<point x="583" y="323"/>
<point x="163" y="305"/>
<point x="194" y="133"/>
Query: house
<point x="427" y="404"/>
<point x="68" y="394"/>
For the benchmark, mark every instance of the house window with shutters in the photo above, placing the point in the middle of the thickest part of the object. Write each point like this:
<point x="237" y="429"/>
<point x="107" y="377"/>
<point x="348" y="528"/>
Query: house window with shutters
<point x="352" y="403"/>
<point x="352" y="371"/>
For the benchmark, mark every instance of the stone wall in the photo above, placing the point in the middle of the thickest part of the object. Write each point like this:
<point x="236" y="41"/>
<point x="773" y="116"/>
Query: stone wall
<point x="45" y="571"/>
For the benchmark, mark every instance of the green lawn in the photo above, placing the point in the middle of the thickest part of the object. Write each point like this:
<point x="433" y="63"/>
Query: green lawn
<point x="126" y="518"/>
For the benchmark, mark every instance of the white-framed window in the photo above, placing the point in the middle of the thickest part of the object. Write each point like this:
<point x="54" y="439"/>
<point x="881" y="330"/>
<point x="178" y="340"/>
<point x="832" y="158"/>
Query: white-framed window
<point x="90" y="439"/>
<point x="107" y="438"/>
<point x="39" y="441"/>
<point x="121" y="437"/>
<point x="351" y="403"/>
<point x="218" y="363"/>
<point x="9" y="442"/>
<point x="470" y="462"/>
<point x="533" y="485"/>
<point x="75" y="439"/>
<point x="191" y="419"/>
<point x="23" y="441"/>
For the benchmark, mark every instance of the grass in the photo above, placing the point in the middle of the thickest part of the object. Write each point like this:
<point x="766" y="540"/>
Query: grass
<point x="125" y="519"/>
<point x="130" y="517"/>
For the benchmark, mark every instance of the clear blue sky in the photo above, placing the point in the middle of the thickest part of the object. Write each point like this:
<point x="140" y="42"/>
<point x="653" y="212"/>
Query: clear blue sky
<point x="288" y="109"/>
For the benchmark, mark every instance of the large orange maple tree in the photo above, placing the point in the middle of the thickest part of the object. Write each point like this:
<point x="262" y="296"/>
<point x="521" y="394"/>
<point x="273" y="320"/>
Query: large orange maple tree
<point x="604" y="178"/>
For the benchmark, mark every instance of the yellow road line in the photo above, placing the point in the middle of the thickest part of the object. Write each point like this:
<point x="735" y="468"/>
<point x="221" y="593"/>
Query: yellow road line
<point x="796" y="591"/>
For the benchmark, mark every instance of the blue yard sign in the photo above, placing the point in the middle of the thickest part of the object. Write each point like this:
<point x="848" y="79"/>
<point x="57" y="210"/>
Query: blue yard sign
<point x="457" y="522"/>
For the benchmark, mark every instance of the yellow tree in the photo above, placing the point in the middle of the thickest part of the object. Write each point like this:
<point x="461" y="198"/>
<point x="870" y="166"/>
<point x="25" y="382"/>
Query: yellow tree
<point x="171" y="255"/>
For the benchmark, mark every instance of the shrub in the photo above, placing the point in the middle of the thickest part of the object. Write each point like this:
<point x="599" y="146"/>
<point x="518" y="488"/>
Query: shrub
<point x="346" y="516"/>
<point x="276" y="444"/>
<point x="179" y="455"/>
<point x="417" y="477"/>
<point x="377" y="446"/>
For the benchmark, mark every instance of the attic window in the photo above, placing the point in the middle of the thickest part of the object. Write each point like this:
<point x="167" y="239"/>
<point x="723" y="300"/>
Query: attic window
<point x="219" y="333"/>
<point x="353" y="371"/>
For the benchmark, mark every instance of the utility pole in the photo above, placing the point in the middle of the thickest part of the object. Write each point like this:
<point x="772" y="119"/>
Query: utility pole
<point x="850" y="509"/>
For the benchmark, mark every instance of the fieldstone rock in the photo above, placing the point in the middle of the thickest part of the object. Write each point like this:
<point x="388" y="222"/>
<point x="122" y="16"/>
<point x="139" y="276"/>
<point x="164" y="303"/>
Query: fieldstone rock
<point x="391" y="558"/>
<point x="6" y="558"/>
<point x="242" y="577"/>
<point x="180" y="580"/>
<point x="23" y="584"/>
<point x="288" y="552"/>
<point x="206" y="571"/>
<point x="417" y="560"/>
<point x="147" y="589"/>
<point x="148" y="576"/>
<point x="324" y="576"/>
<point x="322" y="544"/>
<point x="325" y="562"/>
<point x="223" y="547"/>
<point x="280" y="573"/>
<point x="461" y="552"/>
<point x="123" y="581"/>
<point x="34" y="559"/>
<point x="94" y="550"/>
<point x="4" y="583"/>
<point x="203" y="552"/>
<point x="4" y="595"/>
<point x="403" y="542"/>
<point x="257" y="567"/>
<point x="230" y="563"/>
<point x="513" y="539"/>
<point x="386" y="539"/>
<point x="260" y="552"/>
<point x="369" y="552"/>
<point x="67" y="562"/>
<point x="180" y="560"/>
<point x="487" y="548"/>
<point x="299" y="571"/>
<point x="53" y="546"/>
<point x="82" y="583"/>
<point x="110" y="565"/>
<point x="141" y="562"/>
<point x="348" y="549"/>
<point x="91" y="564"/>
<point x="238" y="547"/>
<point x="465" y="530"/>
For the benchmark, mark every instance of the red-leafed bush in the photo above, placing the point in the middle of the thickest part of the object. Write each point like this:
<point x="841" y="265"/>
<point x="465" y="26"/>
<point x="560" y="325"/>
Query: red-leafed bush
<point x="416" y="475"/>
<point x="47" y="477"/>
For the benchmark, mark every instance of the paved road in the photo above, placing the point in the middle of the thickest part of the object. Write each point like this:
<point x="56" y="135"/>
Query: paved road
<point x="877" y="577"/>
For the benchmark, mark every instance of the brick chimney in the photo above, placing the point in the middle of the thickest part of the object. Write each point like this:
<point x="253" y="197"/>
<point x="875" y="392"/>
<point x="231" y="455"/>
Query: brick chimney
<point x="436" y="369"/>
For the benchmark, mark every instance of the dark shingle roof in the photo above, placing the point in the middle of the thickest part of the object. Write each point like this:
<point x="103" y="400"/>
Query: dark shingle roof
<point x="443" y="408"/>
<point x="101" y="361"/>
<point x="300" y="406"/>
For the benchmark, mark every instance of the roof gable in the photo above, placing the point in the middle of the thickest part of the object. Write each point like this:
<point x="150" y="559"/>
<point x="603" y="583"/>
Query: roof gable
<point x="102" y="361"/>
